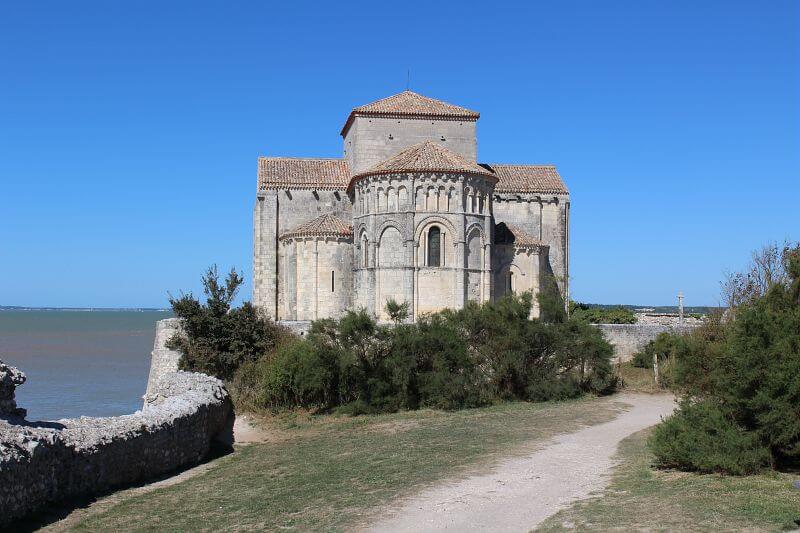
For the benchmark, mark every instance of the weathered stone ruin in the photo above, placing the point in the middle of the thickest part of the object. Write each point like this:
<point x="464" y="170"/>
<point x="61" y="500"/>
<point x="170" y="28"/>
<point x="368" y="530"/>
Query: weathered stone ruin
<point x="183" y="416"/>
<point x="10" y="379"/>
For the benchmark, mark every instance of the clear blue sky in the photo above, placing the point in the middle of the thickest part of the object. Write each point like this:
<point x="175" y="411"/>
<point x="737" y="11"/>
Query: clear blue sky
<point x="129" y="131"/>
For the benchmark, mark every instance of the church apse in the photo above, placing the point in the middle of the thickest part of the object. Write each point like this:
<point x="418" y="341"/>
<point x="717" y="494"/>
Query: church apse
<point x="407" y="214"/>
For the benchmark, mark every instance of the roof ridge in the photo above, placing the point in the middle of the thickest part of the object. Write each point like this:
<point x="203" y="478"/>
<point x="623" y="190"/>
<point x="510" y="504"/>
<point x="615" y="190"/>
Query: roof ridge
<point x="544" y="165"/>
<point x="411" y="104"/>
<point x="522" y="238"/>
<point x="379" y="100"/>
<point x="324" y="224"/>
<point x="425" y="156"/>
<point x="301" y="158"/>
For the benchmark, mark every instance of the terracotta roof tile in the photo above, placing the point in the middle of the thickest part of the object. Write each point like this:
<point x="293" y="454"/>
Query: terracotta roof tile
<point x="322" y="226"/>
<point x="527" y="178"/>
<point x="427" y="156"/>
<point x="505" y="233"/>
<point x="297" y="173"/>
<point x="410" y="104"/>
<point x="334" y="174"/>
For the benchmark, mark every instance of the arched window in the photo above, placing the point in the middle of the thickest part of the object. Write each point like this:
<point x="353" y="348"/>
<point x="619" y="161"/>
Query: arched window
<point x="434" y="246"/>
<point x="364" y="251"/>
<point x="510" y="282"/>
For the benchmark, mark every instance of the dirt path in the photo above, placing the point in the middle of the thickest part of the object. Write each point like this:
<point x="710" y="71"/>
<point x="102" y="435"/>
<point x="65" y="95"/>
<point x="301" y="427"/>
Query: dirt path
<point x="519" y="493"/>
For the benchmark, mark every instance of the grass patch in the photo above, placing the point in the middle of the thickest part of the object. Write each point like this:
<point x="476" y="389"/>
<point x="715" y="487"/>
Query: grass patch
<point x="641" y="498"/>
<point x="635" y="379"/>
<point x="328" y="473"/>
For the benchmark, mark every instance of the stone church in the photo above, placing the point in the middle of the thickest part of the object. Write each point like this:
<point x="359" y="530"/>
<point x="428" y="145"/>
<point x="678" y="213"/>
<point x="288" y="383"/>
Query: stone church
<point x="406" y="213"/>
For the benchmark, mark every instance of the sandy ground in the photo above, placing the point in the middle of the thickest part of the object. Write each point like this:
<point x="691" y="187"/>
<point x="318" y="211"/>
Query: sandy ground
<point x="519" y="493"/>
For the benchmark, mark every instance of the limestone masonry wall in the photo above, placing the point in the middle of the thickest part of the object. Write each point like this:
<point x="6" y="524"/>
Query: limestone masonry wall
<point x="162" y="359"/>
<point x="44" y="462"/>
<point x="628" y="339"/>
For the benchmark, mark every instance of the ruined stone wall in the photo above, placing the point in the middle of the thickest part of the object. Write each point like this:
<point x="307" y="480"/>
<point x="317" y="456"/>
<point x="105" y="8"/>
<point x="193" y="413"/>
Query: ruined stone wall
<point x="162" y="359"/>
<point x="45" y="462"/>
<point x="628" y="339"/>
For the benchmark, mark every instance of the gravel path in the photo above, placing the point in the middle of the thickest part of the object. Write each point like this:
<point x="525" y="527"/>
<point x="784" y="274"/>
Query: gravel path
<point x="519" y="493"/>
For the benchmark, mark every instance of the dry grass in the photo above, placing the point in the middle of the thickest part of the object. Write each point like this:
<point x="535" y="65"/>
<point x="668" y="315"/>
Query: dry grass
<point x="638" y="379"/>
<point x="328" y="472"/>
<point x="640" y="498"/>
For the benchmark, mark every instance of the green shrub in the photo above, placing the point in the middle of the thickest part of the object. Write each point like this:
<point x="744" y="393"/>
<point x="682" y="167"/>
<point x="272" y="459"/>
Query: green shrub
<point x="701" y="437"/>
<point x="601" y="315"/>
<point x="398" y="312"/>
<point x="748" y="367"/>
<point x="216" y="338"/>
<point x="666" y="345"/>
<point x="448" y="360"/>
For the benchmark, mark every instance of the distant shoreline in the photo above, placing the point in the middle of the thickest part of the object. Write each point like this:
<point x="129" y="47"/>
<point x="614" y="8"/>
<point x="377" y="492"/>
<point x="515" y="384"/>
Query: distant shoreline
<point x="84" y="309"/>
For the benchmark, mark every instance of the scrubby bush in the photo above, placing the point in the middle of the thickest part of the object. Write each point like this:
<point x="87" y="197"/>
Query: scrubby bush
<point x="454" y="359"/>
<point x="665" y="345"/>
<point x="595" y="314"/>
<point x="701" y="437"/>
<point x="449" y="360"/>
<point x="747" y="366"/>
<point x="398" y="312"/>
<point x="218" y="338"/>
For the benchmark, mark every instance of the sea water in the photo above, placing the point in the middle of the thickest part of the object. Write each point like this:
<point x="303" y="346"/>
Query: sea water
<point x="92" y="363"/>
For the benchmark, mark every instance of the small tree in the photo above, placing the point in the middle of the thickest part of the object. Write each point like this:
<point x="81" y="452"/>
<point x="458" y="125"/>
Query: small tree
<point x="396" y="311"/>
<point x="217" y="338"/>
<point x="739" y="378"/>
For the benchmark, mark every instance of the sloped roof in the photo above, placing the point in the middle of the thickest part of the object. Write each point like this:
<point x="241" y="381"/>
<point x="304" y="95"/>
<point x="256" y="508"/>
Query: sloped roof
<point x="326" y="225"/>
<point x="527" y="178"/>
<point x="297" y="173"/>
<point x="427" y="156"/>
<point x="410" y="104"/>
<point x="334" y="174"/>
<point x="505" y="233"/>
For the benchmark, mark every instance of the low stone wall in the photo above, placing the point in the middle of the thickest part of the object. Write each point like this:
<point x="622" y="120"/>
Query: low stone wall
<point x="298" y="327"/>
<point x="42" y="462"/>
<point x="162" y="359"/>
<point x="628" y="339"/>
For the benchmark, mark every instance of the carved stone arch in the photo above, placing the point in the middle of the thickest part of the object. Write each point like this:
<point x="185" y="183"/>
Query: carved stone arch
<point x="402" y="197"/>
<point x="391" y="199"/>
<point x="451" y="198"/>
<point x="362" y="246"/>
<point x="398" y="225"/>
<point x="510" y="274"/>
<point x="476" y="226"/>
<point x="381" y="200"/>
<point x="448" y="238"/>
<point x="431" y="219"/>
<point x="474" y="251"/>
<point x="360" y="229"/>
<point x="391" y="246"/>
<point x="430" y="198"/>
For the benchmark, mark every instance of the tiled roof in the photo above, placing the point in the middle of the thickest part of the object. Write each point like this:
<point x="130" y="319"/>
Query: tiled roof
<point x="505" y="233"/>
<point x="322" y="226"/>
<point x="427" y="156"/>
<point x="527" y="178"/>
<point x="334" y="174"/>
<point x="410" y="104"/>
<point x="296" y="173"/>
